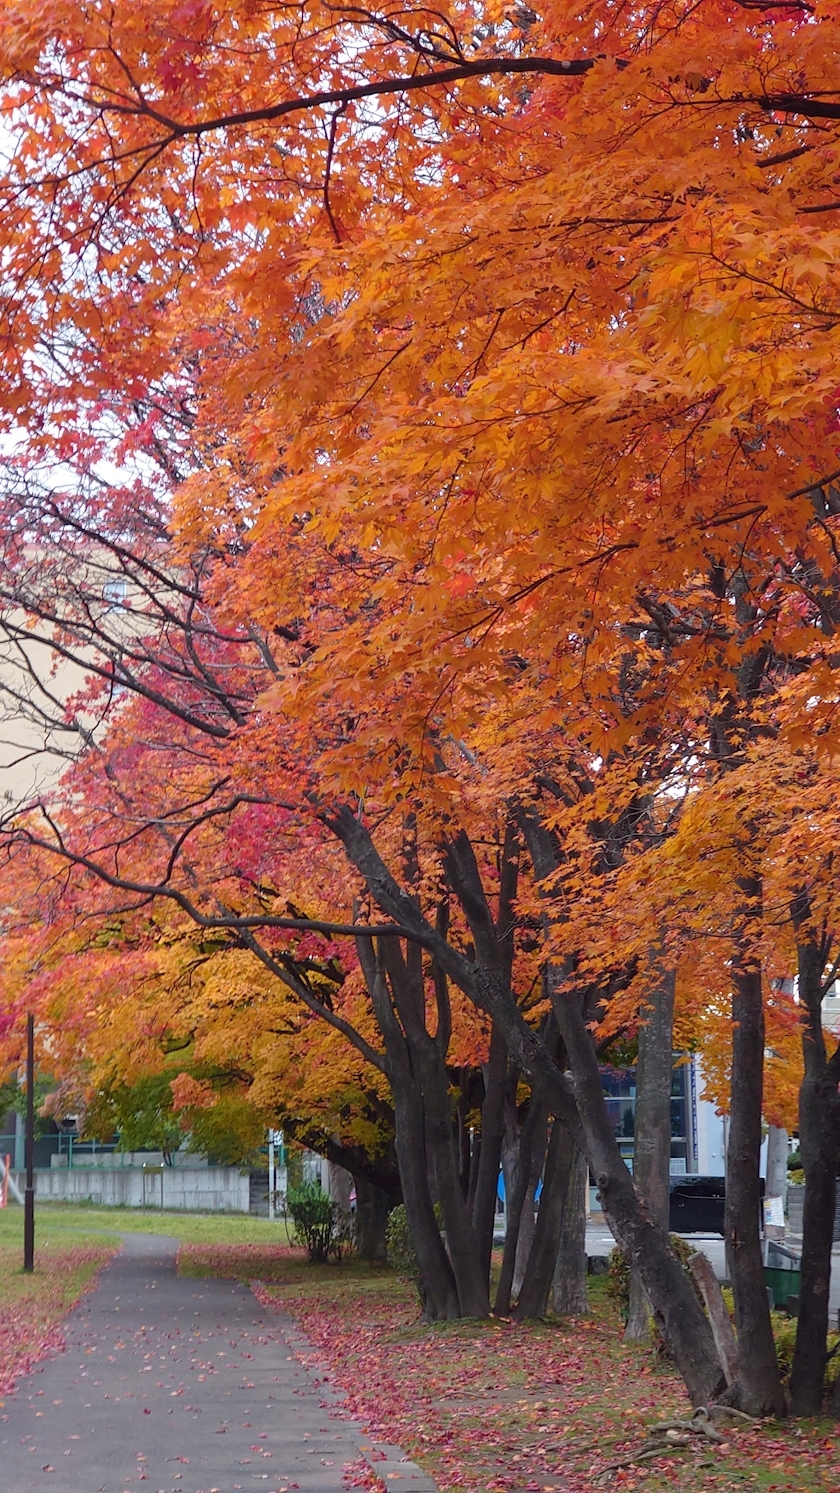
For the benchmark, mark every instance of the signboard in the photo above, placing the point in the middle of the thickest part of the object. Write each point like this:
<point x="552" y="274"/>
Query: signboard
<point x="774" y="1212"/>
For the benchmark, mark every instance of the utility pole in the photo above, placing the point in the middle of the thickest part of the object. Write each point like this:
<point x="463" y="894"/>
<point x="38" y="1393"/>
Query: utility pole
<point x="29" y="1193"/>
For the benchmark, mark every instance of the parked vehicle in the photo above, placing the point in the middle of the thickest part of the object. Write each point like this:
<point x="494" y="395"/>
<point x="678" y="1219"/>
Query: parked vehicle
<point x="697" y="1204"/>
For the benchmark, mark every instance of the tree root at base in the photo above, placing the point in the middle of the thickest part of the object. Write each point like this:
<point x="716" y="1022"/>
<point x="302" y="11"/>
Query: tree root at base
<point x="668" y="1436"/>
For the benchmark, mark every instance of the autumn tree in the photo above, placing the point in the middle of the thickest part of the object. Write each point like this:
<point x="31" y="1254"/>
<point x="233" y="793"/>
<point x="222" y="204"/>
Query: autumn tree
<point x="508" y="341"/>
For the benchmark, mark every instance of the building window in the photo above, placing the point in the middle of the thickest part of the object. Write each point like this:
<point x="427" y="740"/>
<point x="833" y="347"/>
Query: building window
<point x="620" y="1094"/>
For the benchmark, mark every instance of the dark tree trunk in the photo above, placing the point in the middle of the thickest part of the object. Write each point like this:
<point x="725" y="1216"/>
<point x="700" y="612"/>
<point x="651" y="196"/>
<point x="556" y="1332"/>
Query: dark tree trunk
<point x="373" y="1205"/>
<point x="583" y="1107"/>
<point x="460" y="1236"/>
<point x="652" y="1133"/>
<point x="516" y="1192"/>
<point x="402" y="1020"/>
<point x="492" y="1127"/>
<point x="438" y="1287"/>
<point x="569" y="1286"/>
<point x="533" y="1294"/>
<point x="437" y="1280"/>
<point x="527" y="1216"/>
<point x="527" y="1222"/>
<point x="676" y="1310"/>
<point x="760" y="1388"/>
<point x="819" y="1141"/>
<point x="809" y="1359"/>
<point x="496" y="1074"/>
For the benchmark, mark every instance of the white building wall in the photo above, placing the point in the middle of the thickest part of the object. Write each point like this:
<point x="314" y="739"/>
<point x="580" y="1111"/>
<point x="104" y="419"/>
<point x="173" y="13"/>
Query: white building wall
<point x="708" y="1139"/>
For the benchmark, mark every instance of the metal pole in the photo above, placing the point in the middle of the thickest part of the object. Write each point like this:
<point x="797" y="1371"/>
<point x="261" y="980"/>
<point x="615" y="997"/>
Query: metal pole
<point x="20" y="1146"/>
<point x="271" y="1183"/>
<point x="29" y="1192"/>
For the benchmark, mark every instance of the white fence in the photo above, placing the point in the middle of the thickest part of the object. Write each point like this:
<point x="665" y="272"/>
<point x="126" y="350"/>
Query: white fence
<point x="217" y="1189"/>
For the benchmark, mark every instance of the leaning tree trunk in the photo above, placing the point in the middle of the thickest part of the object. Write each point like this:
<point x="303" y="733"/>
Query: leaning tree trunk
<point x="819" y="1141"/>
<point x="759" y="1386"/>
<point x="676" y="1310"/>
<point x="652" y="1133"/>
<point x="533" y="1294"/>
<point x="568" y="1295"/>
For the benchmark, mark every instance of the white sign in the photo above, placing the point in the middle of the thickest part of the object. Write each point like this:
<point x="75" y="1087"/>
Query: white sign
<point x="774" y="1212"/>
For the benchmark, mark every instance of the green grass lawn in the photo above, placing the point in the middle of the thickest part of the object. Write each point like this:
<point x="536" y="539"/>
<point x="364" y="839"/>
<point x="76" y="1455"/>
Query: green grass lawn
<point x="55" y="1222"/>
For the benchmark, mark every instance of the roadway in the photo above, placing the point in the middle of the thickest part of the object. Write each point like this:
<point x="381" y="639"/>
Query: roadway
<point x="599" y="1241"/>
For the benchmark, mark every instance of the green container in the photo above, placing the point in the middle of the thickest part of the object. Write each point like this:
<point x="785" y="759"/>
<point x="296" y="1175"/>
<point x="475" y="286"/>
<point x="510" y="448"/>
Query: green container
<point x="783" y="1283"/>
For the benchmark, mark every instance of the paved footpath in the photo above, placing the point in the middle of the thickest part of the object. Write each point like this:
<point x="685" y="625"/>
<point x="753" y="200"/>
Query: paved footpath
<point x="180" y="1386"/>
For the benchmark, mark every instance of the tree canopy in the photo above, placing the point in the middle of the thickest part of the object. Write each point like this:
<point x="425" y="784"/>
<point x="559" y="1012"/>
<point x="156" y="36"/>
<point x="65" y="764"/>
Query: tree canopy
<point x="420" y="438"/>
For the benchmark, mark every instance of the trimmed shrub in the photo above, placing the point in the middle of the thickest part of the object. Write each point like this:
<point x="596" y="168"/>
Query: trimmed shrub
<point x="320" y="1225"/>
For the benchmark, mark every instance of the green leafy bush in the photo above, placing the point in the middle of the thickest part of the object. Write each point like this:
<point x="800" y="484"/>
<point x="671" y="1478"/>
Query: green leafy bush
<point x="618" y="1274"/>
<point x="399" y="1250"/>
<point x="320" y="1225"/>
<point x="784" y="1337"/>
<point x="618" y="1282"/>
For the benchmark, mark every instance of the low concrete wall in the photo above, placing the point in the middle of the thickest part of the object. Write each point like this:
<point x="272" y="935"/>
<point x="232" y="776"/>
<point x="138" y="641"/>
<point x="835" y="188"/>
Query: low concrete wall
<point x="795" y="1204"/>
<point x="217" y="1189"/>
<point x="117" y="1159"/>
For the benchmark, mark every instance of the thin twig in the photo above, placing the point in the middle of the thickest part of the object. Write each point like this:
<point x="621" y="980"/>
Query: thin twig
<point x="330" y="149"/>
